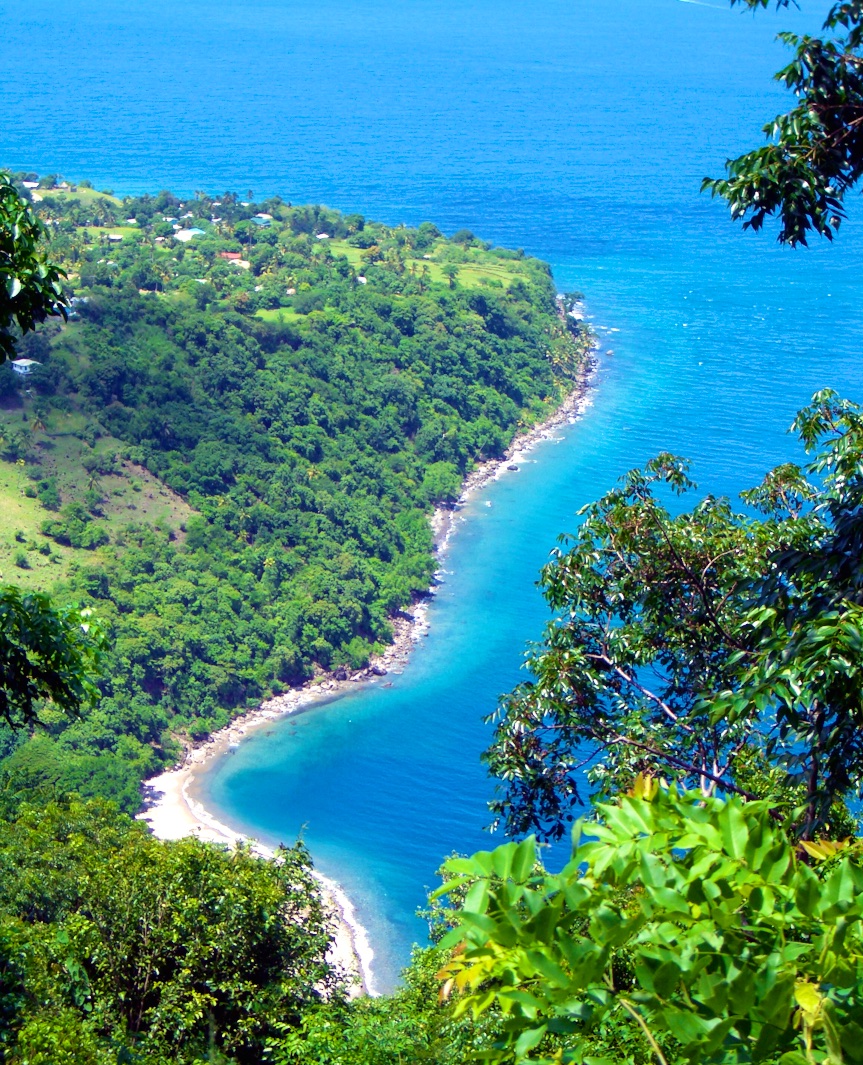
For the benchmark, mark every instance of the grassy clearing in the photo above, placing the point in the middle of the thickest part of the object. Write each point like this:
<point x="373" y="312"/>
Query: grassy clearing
<point x="347" y="251"/>
<point x="115" y="231"/>
<point x="480" y="274"/>
<point x="482" y="270"/>
<point x="129" y="495"/>
<point x="20" y="521"/>
<point x="84" y="195"/>
<point x="278" y="314"/>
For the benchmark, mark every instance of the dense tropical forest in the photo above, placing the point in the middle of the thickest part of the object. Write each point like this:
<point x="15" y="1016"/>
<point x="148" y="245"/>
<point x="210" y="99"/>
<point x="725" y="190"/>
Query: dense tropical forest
<point x="222" y="466"/>
<point x="224" y="453"/>
<point x="231" y="448"/>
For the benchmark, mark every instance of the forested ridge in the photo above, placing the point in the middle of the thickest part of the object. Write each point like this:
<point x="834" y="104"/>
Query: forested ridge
<point x="306" y="386"/>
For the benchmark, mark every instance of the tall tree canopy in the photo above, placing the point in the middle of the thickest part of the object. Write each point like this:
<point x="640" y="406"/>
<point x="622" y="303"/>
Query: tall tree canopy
<point x="30" y="288"/>
<point x="118" y="947"/>
<point x="47" y="653"/>
<point x="702" y="646"/>
<point x="815" y="152"/>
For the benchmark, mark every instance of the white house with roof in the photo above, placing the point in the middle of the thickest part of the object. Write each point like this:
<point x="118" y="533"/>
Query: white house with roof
<point x="24" y="367"/>
<point x="185" y="235"/>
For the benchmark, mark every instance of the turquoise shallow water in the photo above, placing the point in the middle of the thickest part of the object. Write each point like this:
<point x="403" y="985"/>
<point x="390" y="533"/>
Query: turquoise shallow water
<point x="578" y="130"/>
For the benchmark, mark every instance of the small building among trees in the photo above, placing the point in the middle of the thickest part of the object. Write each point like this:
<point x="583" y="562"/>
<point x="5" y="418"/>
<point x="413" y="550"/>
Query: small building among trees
<point x="24" y="367"/>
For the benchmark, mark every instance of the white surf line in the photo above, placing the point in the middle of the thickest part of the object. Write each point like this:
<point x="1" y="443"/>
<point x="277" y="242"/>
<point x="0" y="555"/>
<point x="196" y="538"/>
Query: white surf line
<point x="360" y="943"/>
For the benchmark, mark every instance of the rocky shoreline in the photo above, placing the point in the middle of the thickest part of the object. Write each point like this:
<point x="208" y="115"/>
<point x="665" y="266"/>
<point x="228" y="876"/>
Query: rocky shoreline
<point x="172" y="812"/>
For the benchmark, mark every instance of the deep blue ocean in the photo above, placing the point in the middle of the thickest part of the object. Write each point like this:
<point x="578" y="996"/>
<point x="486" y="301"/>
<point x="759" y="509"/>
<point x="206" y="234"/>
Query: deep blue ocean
<point x="577" y="130"/>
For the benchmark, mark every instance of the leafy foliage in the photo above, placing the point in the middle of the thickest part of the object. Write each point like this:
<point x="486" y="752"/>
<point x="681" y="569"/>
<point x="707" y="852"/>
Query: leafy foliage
<point x="30" y="285"/>
<point x="804" y="626"/>
<point x="46" y="653"/>
<point x="410" y="1025"/>
<point x="689" y="922"/>
<point x="161" y="949"/>
<point x="815" y="154"/>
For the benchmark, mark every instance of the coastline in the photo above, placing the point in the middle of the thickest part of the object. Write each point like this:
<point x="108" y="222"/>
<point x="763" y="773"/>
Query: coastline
<point x="570" y="409"/>
<point x="172" y="812"/>
<point x="176" y="814"/>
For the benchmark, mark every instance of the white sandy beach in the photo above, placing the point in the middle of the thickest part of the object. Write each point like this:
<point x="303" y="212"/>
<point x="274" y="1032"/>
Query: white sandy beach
<point x="176" y="814"/>
<point x="172" y="812"/>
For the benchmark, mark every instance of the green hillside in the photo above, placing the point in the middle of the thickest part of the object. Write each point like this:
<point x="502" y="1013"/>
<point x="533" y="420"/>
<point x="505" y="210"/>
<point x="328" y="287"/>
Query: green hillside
<point x="231" y="449"/>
